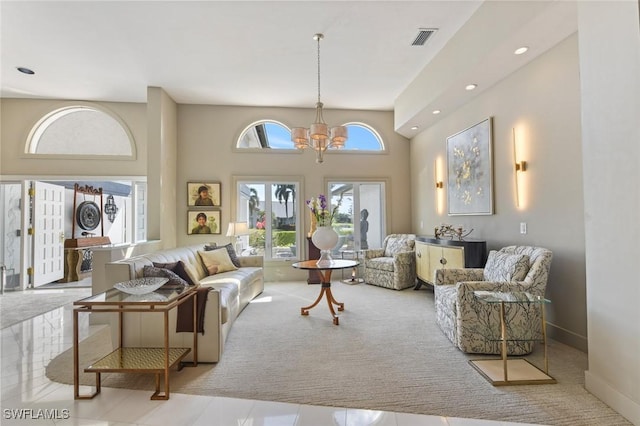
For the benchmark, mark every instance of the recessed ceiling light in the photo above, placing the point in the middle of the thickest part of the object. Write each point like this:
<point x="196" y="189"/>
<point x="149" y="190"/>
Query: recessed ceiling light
<point x="436" y="111"/>
<point x="25" y="70"/>
<point x="521" y="50"/>
<point x="414" y="128"/>
<point x="471" y="86"/>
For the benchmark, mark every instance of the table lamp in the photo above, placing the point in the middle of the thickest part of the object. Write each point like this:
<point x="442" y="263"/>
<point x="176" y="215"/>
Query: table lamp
<point x="236" y="229"/>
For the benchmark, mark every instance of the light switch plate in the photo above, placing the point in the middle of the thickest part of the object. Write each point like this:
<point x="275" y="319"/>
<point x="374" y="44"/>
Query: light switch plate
<point x="523" y="227"/>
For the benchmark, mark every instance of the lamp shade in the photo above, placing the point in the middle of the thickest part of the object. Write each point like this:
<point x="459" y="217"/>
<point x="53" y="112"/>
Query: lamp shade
<point x="300" y="136"/>
<point x="237" y="228"/>
<point x="339" y="136"/>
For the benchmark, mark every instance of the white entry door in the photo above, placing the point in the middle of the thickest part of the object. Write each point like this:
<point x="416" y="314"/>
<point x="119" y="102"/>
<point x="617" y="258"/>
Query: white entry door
<point x="48" y="233"/>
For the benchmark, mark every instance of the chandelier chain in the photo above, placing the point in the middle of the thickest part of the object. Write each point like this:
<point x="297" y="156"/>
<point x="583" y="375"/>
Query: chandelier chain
<point x="319" y="38"/>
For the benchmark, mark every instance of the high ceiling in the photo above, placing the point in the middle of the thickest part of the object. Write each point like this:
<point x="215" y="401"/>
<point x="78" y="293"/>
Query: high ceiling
<point x="248" y="53"/>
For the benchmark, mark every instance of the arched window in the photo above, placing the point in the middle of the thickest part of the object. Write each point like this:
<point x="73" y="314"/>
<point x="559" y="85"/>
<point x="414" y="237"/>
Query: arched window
<point x="81" y="130"/>
<point x="265" y="134"/>
<point x="362" y="138"/>
<point x="270" y="134"/>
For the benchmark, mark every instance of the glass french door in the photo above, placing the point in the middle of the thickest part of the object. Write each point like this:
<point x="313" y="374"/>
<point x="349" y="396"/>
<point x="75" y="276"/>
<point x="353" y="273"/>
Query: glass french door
<point x="361" y="219"/>
<point x="271" y="210"/>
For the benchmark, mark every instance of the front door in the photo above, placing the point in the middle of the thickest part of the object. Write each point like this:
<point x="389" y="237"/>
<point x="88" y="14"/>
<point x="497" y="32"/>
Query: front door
<point x="48" y="233"/>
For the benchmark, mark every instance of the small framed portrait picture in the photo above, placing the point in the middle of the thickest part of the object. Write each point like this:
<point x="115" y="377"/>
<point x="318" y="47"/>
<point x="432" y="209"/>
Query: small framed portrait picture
<point x="203" y="222"/>
<point x="201" y="194"/>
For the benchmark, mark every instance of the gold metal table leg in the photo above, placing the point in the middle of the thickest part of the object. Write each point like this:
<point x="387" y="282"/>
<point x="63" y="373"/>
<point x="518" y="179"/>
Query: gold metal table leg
<point x="503" y="335"/>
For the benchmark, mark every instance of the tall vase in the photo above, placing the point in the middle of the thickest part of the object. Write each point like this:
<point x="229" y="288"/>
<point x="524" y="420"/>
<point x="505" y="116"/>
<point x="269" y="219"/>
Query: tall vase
<point x="325" y="238"/>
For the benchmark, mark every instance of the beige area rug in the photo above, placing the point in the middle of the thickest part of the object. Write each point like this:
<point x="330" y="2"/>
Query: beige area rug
<point x="386" y="354"/>
<point x="17" y="306"/>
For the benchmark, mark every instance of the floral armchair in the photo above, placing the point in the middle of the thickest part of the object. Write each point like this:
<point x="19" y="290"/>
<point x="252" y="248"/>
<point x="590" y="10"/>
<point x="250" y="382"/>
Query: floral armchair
<point x="394" y="265"/>
<point x="474" y="325"/>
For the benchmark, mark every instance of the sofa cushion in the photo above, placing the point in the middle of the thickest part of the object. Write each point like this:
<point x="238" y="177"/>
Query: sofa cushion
<point x="174" y="279"/>
<point x="381" y="263"/>
<point x="217" y="261"/>
<point x="501" y="267"/>
<point x="177" y="267"/>
<point x="191" y="271"/>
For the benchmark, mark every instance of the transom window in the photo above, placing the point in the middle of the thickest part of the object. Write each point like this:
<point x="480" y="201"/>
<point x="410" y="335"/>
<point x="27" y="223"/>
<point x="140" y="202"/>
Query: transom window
<point x="271" y="134"/>
<point x="80" y="130"/>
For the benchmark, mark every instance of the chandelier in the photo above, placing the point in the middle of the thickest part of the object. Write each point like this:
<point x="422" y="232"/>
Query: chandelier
<point x="318" y="136"/>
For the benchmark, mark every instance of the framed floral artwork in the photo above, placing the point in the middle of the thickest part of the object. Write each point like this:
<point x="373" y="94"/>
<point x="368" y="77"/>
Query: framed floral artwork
<point x="203" y="222"/>
<point x="470" y="170"/>
<point x="202" y="194"/>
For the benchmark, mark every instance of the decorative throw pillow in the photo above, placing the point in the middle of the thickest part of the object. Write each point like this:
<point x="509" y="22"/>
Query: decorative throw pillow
<point x="506" y="267"/>
<point x="232" y="255"/>
<point x="174" y="279"/>
<point x="210" y="246"/>
<point x="179" y="268"/>
<point x="216" y="261"/>
<point x="192" y="273"/>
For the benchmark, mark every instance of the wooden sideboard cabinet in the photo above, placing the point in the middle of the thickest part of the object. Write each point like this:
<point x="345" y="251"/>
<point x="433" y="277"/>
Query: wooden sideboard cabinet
<point x="436" y="253"/>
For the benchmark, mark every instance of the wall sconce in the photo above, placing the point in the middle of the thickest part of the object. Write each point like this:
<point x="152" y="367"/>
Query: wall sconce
<point x="439" y="186"/>
<point x="439" y="183"/>
<point x="520" y="166"/>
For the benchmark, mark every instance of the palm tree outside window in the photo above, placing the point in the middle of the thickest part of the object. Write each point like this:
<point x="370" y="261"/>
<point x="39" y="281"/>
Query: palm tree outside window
<point x="269" y="207"/>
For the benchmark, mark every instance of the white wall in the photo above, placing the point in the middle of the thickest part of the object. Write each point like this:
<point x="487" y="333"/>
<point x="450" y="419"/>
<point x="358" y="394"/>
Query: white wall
<point x="542" y="102"/>
<point x="20" y="115"/>
<point x="610" y="86"/>
<point x="207" y="137"/>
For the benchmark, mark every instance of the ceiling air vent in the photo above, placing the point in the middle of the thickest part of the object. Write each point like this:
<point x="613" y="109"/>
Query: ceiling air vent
<point x="423" y="35"/>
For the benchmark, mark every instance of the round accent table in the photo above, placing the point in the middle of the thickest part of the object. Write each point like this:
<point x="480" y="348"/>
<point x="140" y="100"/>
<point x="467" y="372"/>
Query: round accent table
<point x="324" y="270"/>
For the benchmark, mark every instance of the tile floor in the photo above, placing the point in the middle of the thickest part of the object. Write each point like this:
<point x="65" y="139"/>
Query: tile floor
<point x="28" y="397"/>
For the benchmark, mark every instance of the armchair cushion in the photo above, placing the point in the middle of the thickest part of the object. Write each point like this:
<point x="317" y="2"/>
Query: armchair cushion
<point x="506" y="267"/>
<point x="397" y="244"/>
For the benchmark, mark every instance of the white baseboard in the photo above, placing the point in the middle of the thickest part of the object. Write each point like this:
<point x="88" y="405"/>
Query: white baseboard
<point x="613" y="398"/>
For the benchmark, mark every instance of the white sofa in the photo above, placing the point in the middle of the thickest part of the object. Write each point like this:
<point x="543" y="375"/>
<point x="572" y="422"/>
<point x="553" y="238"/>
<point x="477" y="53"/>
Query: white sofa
<point x="232" y="292"/>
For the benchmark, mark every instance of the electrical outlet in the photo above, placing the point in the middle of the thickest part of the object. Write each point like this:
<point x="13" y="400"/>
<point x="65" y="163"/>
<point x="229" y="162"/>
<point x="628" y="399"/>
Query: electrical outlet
<point x="421" y="224"/>
<point x="523" y="227"/>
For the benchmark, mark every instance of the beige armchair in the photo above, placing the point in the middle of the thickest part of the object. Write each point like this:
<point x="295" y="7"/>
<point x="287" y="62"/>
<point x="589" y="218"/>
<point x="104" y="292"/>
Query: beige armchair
<point x="474" y="326"/>
<point x="393" y="265"/>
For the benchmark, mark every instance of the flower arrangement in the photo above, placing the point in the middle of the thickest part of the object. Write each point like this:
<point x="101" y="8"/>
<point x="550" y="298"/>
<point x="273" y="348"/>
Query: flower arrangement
<point x="322" y="212"/>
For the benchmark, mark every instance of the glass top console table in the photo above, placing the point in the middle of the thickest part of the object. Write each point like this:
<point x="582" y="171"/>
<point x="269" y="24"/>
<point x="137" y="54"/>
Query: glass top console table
<point x="515" y="371"/>
<point x="158" y="360"/>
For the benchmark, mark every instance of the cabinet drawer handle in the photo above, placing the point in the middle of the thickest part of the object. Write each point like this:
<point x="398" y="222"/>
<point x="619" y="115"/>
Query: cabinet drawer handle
<point x="443" y="261"/>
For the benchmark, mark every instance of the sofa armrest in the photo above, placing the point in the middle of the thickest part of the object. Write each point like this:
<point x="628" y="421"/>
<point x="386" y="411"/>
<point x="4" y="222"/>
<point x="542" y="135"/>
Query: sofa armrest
<point x="456" y="275"/>
<point x="247" y="261"/>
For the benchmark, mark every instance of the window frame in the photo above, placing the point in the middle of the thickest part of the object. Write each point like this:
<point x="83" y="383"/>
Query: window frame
<point x="41" y="125"/>
<point x="238" y="180"/>
<point x="386" y="184"/>
<point x="383" y="148"/>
